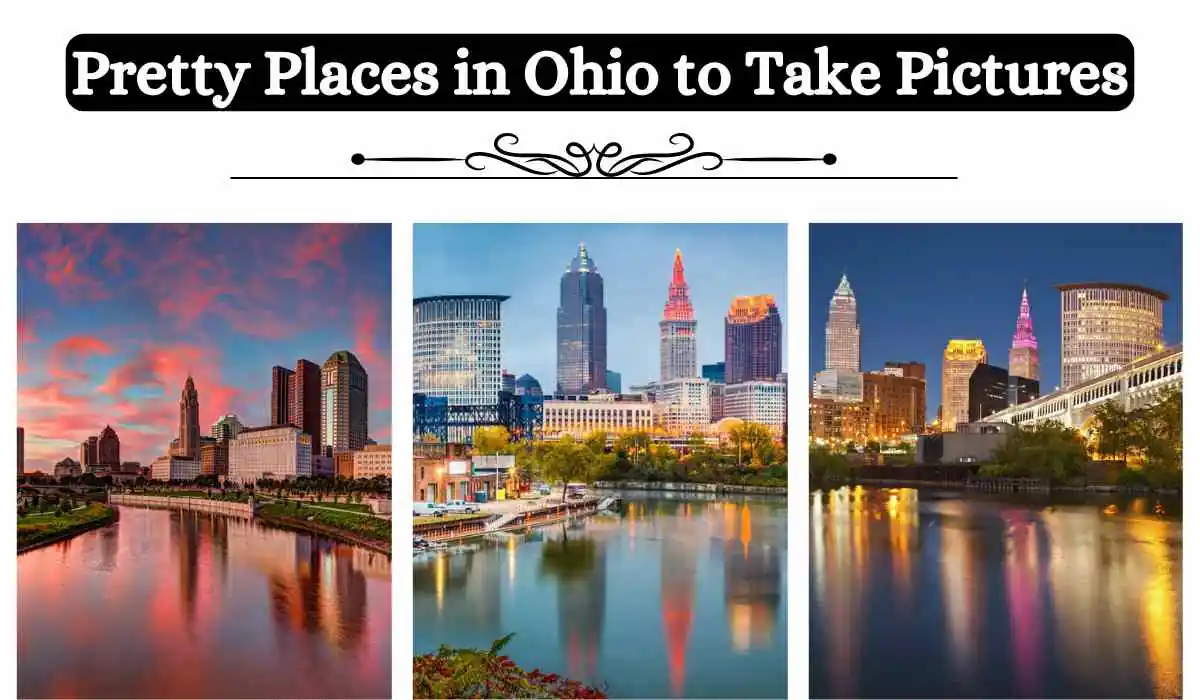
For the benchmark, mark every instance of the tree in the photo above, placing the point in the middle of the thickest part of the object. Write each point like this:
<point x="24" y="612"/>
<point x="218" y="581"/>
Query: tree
<point x="1113" y="431"/>
<point x="752" y="440"/>
<point x="489" y="440"/>
<point x="1048" y="451"/>
<point x="826" y="467"/>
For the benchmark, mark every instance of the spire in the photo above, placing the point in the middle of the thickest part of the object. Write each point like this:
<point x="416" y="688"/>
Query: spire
<point x="843" y="288"/>
<point x="1023" y="337"/>
<point x="581" y="262"/>
<point x="679" y="306"/>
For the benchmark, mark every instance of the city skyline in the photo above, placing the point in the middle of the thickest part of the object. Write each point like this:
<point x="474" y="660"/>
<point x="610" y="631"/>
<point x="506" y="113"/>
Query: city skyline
<point x="919" y="285"/>
<point x="722" y="261"/>
<point x="112" y="319"/>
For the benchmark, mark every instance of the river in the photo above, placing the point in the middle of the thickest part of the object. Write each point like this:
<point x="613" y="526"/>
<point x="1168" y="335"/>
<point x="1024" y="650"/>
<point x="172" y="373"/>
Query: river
<point x="678" y="596"/>
<point x="935" y="594"/>
<point x="170" y="604"/>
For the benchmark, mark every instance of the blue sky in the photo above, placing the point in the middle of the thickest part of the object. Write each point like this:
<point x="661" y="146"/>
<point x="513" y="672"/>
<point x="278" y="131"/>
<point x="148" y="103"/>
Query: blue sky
<point x="918" y="285"/>
<point x="526" y="262"/>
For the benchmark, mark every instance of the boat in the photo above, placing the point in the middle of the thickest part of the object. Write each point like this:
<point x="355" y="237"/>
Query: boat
<point x="611" y="503"/>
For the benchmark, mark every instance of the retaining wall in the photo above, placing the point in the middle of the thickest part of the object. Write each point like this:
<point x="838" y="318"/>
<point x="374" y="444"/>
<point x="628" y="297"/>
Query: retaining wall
<point x="690" y="488"/>
<point x="235" y="508"/>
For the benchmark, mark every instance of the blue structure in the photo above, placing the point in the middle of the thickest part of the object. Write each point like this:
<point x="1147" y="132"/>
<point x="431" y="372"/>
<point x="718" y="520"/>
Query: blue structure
<point x="526" y="385"/>
<point x="714" y="373"/>
<point x="433" y="417"/>
<point x="613" y="380"/>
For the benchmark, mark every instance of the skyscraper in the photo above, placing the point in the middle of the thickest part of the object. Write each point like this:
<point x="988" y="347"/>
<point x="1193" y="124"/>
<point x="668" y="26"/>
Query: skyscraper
<point x="227" y="427"/>
<point x="508" y="381"/>
<point x="612" y="381"/>
<point x="677" y="329"/>
<point x="1106" y="326"/>
<point x="1023" y="355"/>
<point x="456" y="348"/>
<point x="343" y="402"/>
<point x="108" y="449"/>
<point x="714" y="372"/>
<point x="582" y="327"/>
<point x="189" y="421"/>
<point x="281" y="382"/>
<point x="20" y="451"/>
<point x="304" y="401"/>
<point x="842" y="334"/>
<point x="753" y="340"/>
<point x="958" y="364"/>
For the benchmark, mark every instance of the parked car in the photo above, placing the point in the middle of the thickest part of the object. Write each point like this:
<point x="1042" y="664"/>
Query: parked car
<point x="544" y="490"/>
<point x="426" y="509"/>
<point x="461" y="507"/>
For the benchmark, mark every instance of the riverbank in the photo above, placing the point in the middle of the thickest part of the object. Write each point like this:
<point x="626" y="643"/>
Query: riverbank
<point x="347" y="526"/>
<point x="687" y="487"/>
<point x="481" y="525"/>
<point x="40" y="530"/>
<point x="995" y="485"/>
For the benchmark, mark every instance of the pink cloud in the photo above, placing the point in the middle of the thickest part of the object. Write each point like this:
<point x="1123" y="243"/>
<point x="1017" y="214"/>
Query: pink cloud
<point x="69" y="354"/>
<point x="63" y="262"/>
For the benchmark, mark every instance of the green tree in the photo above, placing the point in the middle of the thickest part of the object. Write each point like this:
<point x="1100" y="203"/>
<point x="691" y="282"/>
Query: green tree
<point x="490" y="440"/>
<point x="826" y="467"/>
<point x="1048" y="451"/>
<point x="1113" y="434"/>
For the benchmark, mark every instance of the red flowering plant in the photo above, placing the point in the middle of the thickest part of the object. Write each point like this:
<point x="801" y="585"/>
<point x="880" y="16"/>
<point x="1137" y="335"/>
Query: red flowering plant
<point x="476" y="673"/>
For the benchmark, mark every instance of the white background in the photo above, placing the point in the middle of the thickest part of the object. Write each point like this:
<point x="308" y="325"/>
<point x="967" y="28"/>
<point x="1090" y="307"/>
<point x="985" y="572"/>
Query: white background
<point x="61" y="165"/>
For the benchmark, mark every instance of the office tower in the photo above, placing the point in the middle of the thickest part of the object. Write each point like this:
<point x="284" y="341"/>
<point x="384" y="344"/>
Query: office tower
<point x="508" y="382"/>
<point x="958" y="363"/>
<point x="842" y="334"/>
<point x="756" y="402"/>
<point x="910" y="368"/>
<point x="612" y="381"/>
<point x="281" y="382"/>
<point x="714" y="372"/>
<point x="1106" y="326"/>
<point x="686" y="406"/>
<point x="677" y="329"/>
<point x="304" y="401"/>
<point x="189" y="422"/>
<point x="343" y="402"/>
<point x="1023" y="355"/>
<point x="987" y="392"/>
<point x="108" y="449"/>
<point x="456" y="348"/>
<point x="582" y="327"/>
<point x="527" y="385"/>
<point x="894" y="403"/>
<point x="1022" y="390"/>
<point x="753" y="340"/>
<point x="227" y="427"/>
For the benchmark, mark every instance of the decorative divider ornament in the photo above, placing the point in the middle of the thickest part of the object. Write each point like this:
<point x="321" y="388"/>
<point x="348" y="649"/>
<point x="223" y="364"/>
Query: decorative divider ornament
<point x="607" y="161"/>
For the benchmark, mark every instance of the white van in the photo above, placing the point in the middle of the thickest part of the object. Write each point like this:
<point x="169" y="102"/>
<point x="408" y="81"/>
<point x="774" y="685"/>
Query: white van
<point x="461" y="507"/>
<point x="426" y="509"/>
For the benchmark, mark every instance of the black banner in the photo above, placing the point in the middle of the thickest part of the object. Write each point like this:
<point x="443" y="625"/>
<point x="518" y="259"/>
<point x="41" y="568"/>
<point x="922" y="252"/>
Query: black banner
<point x="596" y="72"/>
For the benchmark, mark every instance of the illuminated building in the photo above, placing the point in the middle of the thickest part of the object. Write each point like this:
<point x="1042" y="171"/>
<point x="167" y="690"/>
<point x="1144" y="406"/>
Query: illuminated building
<point x="88" y="455"/>
<point x="842" y="334"/>
<point x="677" y="329"/>
<point x="958" y="362"/>
<point x="753" y="340"/>
<point x="905" y="369"/>
<point x="372" y="461"/>
<point x="579" y="415"/>
<point x="343" y="403"/>
<point x="273" y="452"/>
<point x="582" y="327"/>
<point x="1138" y="384"/>
<point x="894" y="404"/>
<point x="838" y="385"/>
<point x="456" y="348"/>
<point x="1023" y="355"/>
<point x="1107" y="326"/>
<point x="227" y="427"/>
<point x="987" y="392"/>
<point x="756" y="402"/>
<point x="685" y="406"/>
<point x="174" y="468"/>
<point x="837" y="421"/>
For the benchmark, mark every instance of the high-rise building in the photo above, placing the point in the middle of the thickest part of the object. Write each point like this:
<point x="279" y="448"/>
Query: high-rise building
<point x="108" y="449"/>
<point x="343" y="402"/>
<point x="528" y="385"/>
<point x="910" y="368"/>
<point x="20" y="451"/>
<point x="756" y="402"/>
<point x="677" y="329"/>
<point x="188" y="446"/>
<point x="840" y="385"/>
<point x="837" y="420"/>
<point x="274" y="452"/>
<point x="842" y="334"/>
<point x="508" y="381"/>
<point x="987" y="392"/>
<point x="612" y="381"/>
<point x="214" y="458"/>
<point x="304" y="401"/>
<point x="582" y="327"/>
<point x="227" y="427"/>
<point x="1022" y="390"/>
<point x="1023" y="355"/>
<point x="894" y="404"/>
<point x="281" y="383"/>
<point x="958" y="363"/>
<point x="456" y="348"/>
<point x="1106" y="326"/>
<point x="685" y="405"/>
<point x="753" y="340"/>
<point x="714" y="372"/>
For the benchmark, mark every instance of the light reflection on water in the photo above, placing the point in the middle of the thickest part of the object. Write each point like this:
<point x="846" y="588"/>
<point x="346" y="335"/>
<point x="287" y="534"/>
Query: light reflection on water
<point x="674" y="597"/>
<point x="169" y="604"/>
<point x="946" y="595"/>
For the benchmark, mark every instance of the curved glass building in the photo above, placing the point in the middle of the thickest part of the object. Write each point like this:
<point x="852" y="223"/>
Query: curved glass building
<point x="456" y="348"/>
<point x="1106" y="326"/>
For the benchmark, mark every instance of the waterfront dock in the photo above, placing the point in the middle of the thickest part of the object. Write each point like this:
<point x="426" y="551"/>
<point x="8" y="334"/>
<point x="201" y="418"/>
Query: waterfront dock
<point x="514" y="521"/>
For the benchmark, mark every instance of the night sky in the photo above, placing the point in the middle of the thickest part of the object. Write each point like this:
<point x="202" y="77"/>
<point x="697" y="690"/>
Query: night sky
<point x="112" y="318"/>
<point x="526" y="262"/>
<point x="918" y="285"/>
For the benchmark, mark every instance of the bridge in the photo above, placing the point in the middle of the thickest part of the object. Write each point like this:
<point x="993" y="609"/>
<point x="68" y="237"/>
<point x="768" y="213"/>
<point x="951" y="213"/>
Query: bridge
<point x="1136" y="385"/>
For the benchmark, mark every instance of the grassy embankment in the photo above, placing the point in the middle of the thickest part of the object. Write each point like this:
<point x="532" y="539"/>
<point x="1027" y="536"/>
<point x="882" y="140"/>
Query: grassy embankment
<point x="353" y="527"/>
<point x="40" y="528"/>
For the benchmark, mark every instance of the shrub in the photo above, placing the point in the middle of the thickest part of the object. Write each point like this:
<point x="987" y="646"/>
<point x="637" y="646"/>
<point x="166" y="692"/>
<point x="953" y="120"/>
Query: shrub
<point x="475" y="673"/>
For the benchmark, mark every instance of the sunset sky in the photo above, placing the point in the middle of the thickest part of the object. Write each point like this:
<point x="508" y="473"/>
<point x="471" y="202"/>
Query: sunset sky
<point x="112" y="318"/>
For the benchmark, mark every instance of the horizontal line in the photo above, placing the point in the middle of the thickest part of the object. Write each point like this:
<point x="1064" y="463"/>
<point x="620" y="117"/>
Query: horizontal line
<point x="627" y="179"/>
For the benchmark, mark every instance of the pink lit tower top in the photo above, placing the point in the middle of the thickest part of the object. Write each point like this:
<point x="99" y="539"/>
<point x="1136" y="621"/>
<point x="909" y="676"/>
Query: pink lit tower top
<point x="1023" y="355"/>
<point x="677" y="329"/>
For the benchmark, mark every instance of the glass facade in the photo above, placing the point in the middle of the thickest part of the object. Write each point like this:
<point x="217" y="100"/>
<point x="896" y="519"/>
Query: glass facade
<point x="1107" y="326"/>
<point x="582" y="327"/>
<point x="456" y="348"/>
<point x="753" y="340"/>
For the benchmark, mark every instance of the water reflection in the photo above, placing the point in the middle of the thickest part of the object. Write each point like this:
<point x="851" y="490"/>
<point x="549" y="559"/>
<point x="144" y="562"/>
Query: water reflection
<point x="634" y="601"/>
<point x="202" y="606"/>
<point x="952" y="596"/>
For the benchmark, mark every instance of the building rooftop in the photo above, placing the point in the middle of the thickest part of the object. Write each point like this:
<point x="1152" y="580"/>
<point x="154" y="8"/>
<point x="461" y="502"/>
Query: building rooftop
<point x="452" y="297"/>
<point x="1112" y="285"/>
